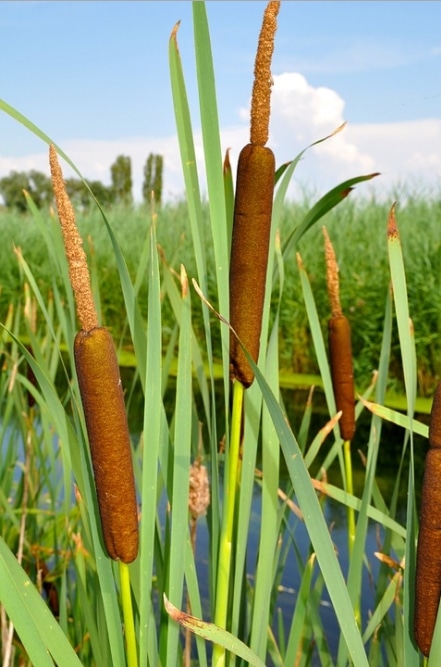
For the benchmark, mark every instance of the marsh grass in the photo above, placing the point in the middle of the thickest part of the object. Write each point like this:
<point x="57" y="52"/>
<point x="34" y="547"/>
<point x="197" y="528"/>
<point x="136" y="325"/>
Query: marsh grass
<point x="50" y="540"/>
<point x="358" y="237"/>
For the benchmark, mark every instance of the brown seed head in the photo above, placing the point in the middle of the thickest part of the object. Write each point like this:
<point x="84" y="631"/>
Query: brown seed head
<point x="428" y="563"/>
<point x="109" y="438"/>
<point x="199" y="493"/>
<point x="76" y="257"/>
<point x="261" y="96"/>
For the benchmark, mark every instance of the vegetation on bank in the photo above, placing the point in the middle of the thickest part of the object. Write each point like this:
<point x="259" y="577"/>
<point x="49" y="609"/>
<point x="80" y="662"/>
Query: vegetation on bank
<point x="358" y="232"/>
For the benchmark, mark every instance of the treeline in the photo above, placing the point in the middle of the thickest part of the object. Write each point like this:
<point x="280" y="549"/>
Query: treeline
<point x="39" y="186"/>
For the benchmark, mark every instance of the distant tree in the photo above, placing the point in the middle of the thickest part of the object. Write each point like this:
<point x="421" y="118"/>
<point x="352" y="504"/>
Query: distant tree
<point x="37" y="184"/>
<point x="153" y="178"/>
<point x="11" y="189"/>
<point x="40" y="188"/>
<point x="80" y="195"/>
<point x="104" y="193"/>
<point x="121" y="173"/>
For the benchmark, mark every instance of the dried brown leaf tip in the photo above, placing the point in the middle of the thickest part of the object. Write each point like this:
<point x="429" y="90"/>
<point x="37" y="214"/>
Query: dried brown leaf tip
<point x="392" y="228"/>
<point x="227" y="163"/>
<point x="184" y="282"/>
<point x="332" y="276"/>
<point x="174" y="32"/>
<point x="261" y="96"/>
<point x="76" y="257"/>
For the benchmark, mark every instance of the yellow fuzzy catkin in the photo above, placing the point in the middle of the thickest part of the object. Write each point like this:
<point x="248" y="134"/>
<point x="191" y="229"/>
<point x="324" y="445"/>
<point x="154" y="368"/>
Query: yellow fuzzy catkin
<point x="76" y="257"/>
<point x="101" y="395"/>
<point x="340" y="348"/>
<point x="252" y="214"/>
<point x="261" y="95"/>
<point x="428" y="562"/>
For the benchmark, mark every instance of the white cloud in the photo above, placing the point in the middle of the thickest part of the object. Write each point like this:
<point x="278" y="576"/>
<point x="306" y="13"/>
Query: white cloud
<point x="404" y="152"/>
<point x="301" y="114"/>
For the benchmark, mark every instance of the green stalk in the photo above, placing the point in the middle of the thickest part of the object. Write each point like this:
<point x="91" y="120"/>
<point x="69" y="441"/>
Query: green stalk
<point x="350" y="490"/>
<point x="129" y="625"/>
<point x="351" y="516"/>
<point x="223" y="578"/>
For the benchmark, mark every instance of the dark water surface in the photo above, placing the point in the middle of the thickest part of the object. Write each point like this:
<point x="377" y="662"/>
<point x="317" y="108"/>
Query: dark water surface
<point x="335" y="515"/>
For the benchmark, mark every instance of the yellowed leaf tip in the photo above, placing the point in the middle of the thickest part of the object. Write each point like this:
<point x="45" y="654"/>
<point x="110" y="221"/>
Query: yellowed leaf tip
<point x="174" y="32"/>
<point x="184" y="281"/>
<point x="392" y="227"/>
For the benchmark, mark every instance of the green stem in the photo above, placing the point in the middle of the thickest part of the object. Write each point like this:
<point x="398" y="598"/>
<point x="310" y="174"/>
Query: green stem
<point x="351" y="512"/>
<point x="350" y="489"/>
<point x="223" y="577"/>
<point x="129" y="625"/>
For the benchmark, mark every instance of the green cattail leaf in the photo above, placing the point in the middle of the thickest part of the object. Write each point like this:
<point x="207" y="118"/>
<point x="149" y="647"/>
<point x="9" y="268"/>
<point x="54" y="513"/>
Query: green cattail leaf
<point x="213" y="633"/>
<point x="39" y="631"/>
<point x="323" y="206"/>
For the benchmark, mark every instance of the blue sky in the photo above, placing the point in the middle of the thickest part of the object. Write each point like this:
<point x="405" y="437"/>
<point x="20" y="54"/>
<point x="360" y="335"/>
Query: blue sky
<point x="94" y="76"/>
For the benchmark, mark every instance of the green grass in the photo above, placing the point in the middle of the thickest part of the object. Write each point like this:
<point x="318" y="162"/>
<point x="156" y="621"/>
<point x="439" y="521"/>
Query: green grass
<point x="357" y="232"/>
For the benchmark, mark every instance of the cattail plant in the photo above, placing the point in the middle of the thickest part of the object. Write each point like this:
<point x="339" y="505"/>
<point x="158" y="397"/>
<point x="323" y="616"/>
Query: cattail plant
<point x="101" y="394"/>
<point x="252" y="214"/>
<point x="340" y="359"/>
<point x="248" y="266"/>
<point x="340" y="350"/>
<point x="428" y="564"/>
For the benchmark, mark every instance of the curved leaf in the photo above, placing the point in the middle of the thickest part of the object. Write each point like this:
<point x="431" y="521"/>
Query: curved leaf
<point x="213" y="633"/>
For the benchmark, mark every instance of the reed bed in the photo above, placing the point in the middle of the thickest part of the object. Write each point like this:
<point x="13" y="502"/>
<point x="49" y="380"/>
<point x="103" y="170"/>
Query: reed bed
<point x="357" y="231"/>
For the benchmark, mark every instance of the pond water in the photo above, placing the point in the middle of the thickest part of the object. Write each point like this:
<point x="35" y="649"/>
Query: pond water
<point x="336" y="519"/>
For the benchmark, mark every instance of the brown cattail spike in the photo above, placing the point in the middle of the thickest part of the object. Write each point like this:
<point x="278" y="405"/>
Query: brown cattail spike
<point x="76" y="257"/>
<point x="340" y="353"/>
<point x="104" y="410"/>
<point x="340" y="348"/>
<point x="428" y="563"/>
<point x="249" y="255"/>
<point x="252" y="213"/>
<point x="260" y="100"/>
<point x="428" y="569"/>
<point x="101" y="394"/>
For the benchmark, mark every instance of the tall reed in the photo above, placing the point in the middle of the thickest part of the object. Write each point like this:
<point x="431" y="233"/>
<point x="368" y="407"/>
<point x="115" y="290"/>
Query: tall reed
<point x="104" y="410"/>
<point x="247" y="281"/>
